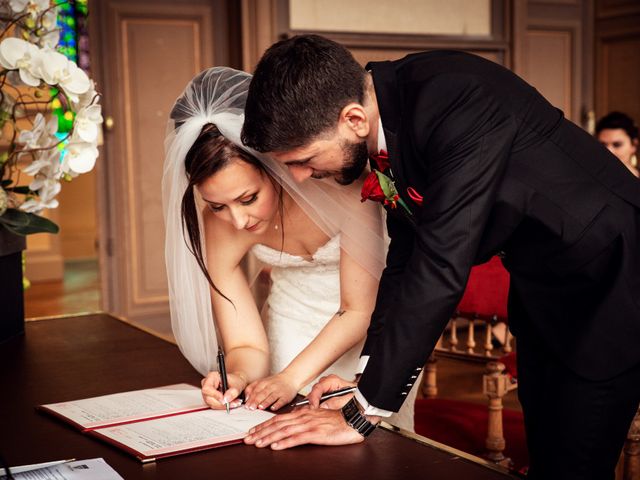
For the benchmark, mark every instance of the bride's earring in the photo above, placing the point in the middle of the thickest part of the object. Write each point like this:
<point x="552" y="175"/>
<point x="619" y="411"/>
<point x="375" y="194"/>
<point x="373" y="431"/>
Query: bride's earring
<point x="634" y="161"/>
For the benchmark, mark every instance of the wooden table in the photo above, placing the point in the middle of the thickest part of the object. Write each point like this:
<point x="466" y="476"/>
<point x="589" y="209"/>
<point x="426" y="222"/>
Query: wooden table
<point x="79" y="357"/>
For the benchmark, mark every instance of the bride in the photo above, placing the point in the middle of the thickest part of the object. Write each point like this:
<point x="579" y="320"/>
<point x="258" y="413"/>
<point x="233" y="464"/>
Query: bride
<point x="226" y="209"/>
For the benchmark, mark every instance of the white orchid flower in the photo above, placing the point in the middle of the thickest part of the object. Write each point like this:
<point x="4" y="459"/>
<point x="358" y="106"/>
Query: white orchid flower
<point x="80" y="156"/>
<point x="18" y="54"/>
<point x="41" y="135"/>
<point x="50" y="19"/>
<point x="56" y="69"/>
<point x="47" y="189"/>
<point x="46" y="162"/>
<point x="31" y="138"/>
<point x="35" y="205"/>
<point x="51" y="37"/>
<point x="32" y="7"/>
<point x="86" y="98"/>
<point x="36" y="166"/>
<point x="85" y="126"/>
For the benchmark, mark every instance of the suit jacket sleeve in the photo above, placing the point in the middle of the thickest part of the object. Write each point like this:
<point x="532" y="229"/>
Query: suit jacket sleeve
<point x="463" y="136"/>
<point x="400" y="247"/>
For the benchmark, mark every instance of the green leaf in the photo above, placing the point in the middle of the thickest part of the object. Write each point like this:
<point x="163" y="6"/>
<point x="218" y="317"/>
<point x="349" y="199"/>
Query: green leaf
<point x="23" y="223"/>
<point x="387" y="185"/>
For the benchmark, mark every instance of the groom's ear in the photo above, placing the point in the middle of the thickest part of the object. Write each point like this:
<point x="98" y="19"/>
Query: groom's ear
<point x="354" y="117"/>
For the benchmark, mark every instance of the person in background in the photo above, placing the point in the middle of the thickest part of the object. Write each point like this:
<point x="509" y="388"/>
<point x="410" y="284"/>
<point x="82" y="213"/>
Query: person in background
<point x="619" y="134"/>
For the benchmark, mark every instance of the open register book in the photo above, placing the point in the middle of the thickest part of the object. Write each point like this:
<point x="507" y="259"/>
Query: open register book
<point x="158" y="422"/>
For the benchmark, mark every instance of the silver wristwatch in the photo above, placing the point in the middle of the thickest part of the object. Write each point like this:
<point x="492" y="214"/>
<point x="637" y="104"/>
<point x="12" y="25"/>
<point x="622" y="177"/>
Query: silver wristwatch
<point x="356" y="420"/>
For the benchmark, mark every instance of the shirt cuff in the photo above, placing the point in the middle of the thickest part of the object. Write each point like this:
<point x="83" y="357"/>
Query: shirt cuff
<point x="370" y="409"/>
<point x="362" y="364"/>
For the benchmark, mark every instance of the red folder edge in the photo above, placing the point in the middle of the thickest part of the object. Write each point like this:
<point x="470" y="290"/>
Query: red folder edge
<point x="58" y="415"/>
<point x="145" y="459"/>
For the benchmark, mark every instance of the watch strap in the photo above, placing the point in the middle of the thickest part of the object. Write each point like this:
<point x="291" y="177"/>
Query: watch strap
<point x="356" y="420"/>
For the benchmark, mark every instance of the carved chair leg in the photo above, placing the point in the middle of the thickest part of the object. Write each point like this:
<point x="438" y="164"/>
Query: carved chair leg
<point x="453" y="338"/>
<point x="429" y="384"/>
<point x="631" y="450"/>
<point x="471" y="338"/>
<point x="495" y="387"/>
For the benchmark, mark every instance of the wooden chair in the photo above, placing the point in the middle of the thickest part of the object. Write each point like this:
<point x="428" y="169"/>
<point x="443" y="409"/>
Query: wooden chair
<point x="483" y="308"/>
<point x="482" y="311"/>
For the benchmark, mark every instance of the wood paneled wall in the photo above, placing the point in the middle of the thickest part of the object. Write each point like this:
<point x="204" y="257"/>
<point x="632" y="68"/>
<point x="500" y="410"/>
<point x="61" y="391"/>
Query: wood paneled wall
<point x="556" y="53"/>
<point x="148" y="51"/>
<point x="373" y="46"/>
<point x="618" y="57"/>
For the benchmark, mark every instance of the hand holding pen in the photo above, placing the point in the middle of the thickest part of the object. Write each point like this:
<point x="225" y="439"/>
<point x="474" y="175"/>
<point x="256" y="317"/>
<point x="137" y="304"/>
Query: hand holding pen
<point x="216" y="394"/>
<point x="328" y="395"/>
<point x="333" y="390"/>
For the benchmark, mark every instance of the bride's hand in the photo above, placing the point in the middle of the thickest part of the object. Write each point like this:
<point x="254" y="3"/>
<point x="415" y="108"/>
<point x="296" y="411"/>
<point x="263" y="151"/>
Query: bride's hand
<point x="215" y="398"/>
<point x="275" y="391"/>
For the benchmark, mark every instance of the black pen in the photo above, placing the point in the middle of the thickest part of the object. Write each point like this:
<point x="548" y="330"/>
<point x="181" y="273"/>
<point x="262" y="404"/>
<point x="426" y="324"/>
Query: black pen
<point x="327" y="396"/>
<point x="222" y="368"/>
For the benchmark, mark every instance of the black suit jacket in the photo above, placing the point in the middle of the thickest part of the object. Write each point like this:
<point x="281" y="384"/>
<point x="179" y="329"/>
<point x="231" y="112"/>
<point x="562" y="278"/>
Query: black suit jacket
<point x="500" y="169"/>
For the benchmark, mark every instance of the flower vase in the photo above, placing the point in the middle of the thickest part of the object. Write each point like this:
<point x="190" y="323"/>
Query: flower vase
<point x="11" y="291"/>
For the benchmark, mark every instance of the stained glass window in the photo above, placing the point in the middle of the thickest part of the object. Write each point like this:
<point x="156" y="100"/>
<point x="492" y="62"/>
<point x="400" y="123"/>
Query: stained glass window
<point x="74" y="44"/>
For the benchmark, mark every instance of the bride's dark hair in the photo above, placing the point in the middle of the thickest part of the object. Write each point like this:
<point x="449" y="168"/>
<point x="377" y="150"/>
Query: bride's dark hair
<point x="209" y="154"/>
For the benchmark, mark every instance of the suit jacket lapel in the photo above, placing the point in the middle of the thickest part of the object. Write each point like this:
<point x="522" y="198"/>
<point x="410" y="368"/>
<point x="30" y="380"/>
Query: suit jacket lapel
<point x="387" y="94"/>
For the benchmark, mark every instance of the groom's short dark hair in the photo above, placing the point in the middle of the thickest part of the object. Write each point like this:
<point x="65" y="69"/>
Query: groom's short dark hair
<point x="297" y="92"/>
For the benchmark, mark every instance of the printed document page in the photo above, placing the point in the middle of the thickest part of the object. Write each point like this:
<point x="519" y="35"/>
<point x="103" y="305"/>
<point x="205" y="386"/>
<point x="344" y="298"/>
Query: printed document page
<point x="185" y="432"/>
<point x="128" y="406"/>
<point x="93" y="469"/>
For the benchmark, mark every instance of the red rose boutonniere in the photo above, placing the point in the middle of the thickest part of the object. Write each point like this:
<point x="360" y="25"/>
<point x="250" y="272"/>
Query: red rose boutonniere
<point x="380" y="188"/>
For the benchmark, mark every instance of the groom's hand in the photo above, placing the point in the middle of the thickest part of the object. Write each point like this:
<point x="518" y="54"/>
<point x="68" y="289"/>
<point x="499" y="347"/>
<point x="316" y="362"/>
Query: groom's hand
<point x="307" y="425"/>
<point x="328" y="384"/>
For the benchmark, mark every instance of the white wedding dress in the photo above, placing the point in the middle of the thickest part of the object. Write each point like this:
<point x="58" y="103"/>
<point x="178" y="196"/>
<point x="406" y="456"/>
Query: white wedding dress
<point x="304" y="296"/>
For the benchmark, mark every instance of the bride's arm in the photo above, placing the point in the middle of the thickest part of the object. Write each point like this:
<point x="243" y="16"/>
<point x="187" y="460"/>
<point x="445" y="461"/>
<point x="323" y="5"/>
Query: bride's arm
<point x="239" y="323"/>
<point x="345" y="329"/>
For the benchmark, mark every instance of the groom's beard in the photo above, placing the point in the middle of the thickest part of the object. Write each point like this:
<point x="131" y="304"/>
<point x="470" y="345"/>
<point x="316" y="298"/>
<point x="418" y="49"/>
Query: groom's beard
<point x="356" y="156"/>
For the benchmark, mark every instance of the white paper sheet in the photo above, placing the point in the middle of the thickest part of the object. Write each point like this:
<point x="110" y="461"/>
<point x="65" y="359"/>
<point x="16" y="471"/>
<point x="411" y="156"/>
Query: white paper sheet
<point x="127" y="406"/>
<point x="93" y="469"/>
<point x="183" y="432"/>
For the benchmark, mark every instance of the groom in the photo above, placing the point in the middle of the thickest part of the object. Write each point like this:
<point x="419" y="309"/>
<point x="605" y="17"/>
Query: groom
<point x="480" y="163"/>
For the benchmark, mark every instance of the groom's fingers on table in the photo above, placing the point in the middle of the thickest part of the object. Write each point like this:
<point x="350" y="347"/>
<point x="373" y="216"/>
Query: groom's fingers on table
<point x="321" y="427"/>
<point x="260" y="435"/>
<point x="322" y="435"/>
<point x="278" y="419"/>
